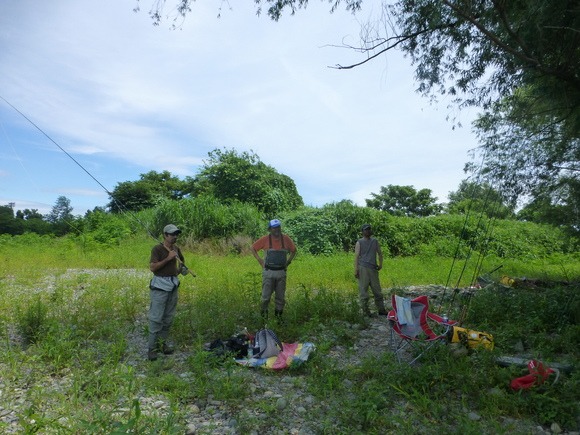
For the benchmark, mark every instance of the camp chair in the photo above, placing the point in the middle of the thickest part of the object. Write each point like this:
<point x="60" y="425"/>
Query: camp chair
<point x="411" y="326"/>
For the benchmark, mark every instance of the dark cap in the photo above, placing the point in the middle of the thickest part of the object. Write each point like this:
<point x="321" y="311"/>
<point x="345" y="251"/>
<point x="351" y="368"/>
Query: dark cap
<point x="365" y="227"/>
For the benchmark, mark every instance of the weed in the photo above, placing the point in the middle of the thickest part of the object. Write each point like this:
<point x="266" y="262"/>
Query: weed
<point x="33" y="321"/>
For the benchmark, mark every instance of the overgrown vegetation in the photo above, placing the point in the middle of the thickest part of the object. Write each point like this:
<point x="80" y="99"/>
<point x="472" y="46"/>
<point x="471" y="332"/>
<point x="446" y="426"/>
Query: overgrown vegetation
<point x="71" y="316"/>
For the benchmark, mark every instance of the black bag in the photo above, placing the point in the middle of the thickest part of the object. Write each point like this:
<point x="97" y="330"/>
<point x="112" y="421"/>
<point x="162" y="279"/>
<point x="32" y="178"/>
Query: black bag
<point x="235" y="346"/>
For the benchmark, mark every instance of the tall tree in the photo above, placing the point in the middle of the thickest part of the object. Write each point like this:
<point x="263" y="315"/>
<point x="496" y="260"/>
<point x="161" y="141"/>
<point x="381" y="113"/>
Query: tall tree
<point x="27" y="214"/>
<point x="558" y="207"/>
<point x="471" y="197"/>
<point x="404" y="201"/>
<point x="61" y="211"/>
<point x="518" y="61"/>
<point x="9" y="224"/>
<point x="146" y="192"/>
<point x="232" y="176"/>
<point x="60" y="216"/>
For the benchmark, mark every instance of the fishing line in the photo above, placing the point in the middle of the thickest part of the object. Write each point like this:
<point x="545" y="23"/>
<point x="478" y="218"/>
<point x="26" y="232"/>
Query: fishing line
<point x="483" y="248"/>
<point x="18" y="156"/>
<point x="54" y="142"/>
<point x="485" y="245"/>
<point x="119" y="204"/>
<point x="462" y="236"/>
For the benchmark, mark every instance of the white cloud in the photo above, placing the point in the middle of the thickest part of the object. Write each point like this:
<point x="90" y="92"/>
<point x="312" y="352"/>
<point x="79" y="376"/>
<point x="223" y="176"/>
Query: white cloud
<point x="125" y="97"/>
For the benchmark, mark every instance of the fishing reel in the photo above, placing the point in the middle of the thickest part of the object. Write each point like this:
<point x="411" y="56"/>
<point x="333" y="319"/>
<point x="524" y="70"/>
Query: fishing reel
<point x="184" y="270"/>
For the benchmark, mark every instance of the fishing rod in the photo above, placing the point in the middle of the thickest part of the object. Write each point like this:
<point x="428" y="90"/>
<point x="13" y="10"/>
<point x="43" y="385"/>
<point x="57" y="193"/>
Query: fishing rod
<point x="184" y="270"/>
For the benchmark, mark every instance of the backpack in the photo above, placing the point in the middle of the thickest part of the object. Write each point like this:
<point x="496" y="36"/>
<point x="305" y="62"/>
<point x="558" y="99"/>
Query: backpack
<point x="267" y="344"/>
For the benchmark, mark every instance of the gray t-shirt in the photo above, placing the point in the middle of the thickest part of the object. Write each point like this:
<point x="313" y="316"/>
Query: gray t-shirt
<point x="368" y="252"/>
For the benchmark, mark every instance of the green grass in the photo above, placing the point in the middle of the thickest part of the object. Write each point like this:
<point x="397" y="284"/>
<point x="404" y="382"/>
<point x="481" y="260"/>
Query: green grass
<point x="73" y="310"/>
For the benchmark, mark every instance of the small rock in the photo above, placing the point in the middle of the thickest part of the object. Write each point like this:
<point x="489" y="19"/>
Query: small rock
<point x="555" y="428"/>
<point x="474" y="416"/>
<point x="347" y="383"/>
<point x="309" y="400"/>
<point x="281" y="403"/>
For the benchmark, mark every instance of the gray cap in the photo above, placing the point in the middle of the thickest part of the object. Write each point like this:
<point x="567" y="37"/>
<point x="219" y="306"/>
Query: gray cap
<point x="365" y="227"/>
<point x="171" y="229"/>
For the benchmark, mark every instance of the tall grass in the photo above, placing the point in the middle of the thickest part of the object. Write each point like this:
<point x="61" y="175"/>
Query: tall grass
<point x="72" y="312"/>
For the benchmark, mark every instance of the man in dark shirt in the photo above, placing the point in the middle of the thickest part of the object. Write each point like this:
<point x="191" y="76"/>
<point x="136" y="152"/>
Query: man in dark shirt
<point x="165" y="263"/>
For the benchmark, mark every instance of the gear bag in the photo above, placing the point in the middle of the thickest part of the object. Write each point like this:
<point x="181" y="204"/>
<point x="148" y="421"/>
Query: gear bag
<point x="471" y="339"/>
<point x="267" y="344"/>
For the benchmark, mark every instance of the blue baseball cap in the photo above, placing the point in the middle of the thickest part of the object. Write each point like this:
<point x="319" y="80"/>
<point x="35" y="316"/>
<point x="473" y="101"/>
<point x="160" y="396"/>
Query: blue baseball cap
<point x="274" y="223"/>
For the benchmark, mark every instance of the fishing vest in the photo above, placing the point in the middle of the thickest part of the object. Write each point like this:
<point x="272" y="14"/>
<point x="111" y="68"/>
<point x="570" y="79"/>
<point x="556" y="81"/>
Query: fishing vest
<point x="276" y="259"/>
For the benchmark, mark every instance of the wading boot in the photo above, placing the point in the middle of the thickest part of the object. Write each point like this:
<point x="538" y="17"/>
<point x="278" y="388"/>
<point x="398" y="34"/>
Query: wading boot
<point x="279" y="319"/>
<point x="152" y="355"/>
<point x="167" y="350"/>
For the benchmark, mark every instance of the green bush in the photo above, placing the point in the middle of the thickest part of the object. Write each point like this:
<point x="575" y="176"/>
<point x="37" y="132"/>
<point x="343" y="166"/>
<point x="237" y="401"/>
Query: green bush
<point x="206" y="217"/>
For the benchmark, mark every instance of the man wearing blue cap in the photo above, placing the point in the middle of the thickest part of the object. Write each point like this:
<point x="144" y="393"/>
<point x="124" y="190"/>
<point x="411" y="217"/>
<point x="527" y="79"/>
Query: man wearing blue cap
<point x="279" y="251"/>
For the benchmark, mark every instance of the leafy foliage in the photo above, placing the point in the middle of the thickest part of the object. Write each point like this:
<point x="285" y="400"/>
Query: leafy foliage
<point x="206" y="217"/>
<point x="558" y="207"/>
<point x="313" y="230"/>
<point x="404" y="201"/>
<point x="61" y="216"/>
<point x="517" y="60"/>
<point x="231" y="176"/>
<point x="145" y="192"/>
<point x="471" y="197"/>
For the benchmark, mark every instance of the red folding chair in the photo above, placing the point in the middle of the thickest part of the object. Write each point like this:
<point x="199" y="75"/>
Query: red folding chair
<point x="412" y="327"/>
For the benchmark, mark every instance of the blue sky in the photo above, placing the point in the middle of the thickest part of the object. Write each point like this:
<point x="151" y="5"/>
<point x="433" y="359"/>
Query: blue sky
<point x="124" y="97"/>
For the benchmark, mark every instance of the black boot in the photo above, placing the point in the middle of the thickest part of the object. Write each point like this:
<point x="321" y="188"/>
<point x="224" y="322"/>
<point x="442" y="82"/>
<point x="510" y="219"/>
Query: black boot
<point x="152" y="355"/>
<point x="278" y="314"/>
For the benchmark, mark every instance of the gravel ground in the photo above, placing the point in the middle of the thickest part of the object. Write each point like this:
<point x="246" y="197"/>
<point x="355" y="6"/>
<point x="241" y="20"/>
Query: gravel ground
<point x="285" y="390"/>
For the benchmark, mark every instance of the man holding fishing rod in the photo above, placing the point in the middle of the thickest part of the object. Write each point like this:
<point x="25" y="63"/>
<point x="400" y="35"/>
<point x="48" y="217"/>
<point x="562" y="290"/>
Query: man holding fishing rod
<point x="166" y="263"/>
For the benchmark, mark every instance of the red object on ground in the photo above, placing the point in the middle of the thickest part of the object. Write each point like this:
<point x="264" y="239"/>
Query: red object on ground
<point x="539" y="373"/>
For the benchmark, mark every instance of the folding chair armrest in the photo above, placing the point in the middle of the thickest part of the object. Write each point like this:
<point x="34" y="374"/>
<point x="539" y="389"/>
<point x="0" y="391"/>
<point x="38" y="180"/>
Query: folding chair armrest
<point x="441" y="320"/>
